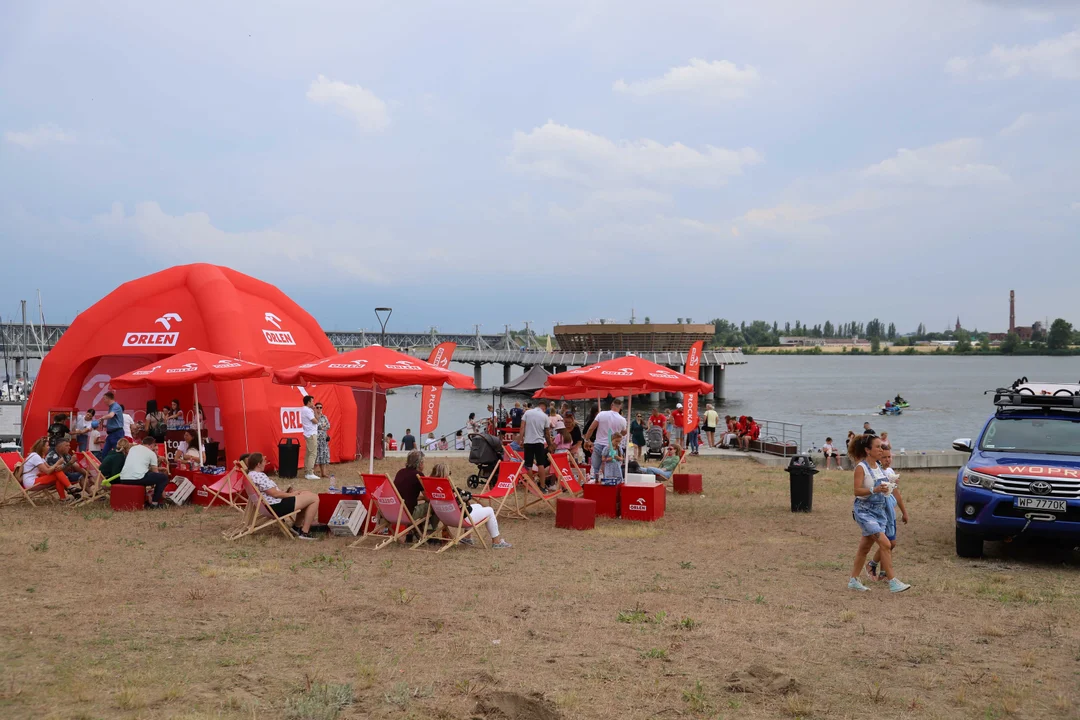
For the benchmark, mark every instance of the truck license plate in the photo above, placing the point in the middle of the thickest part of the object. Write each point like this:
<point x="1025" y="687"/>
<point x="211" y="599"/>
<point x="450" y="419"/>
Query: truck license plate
<point x="1030" y="503"/>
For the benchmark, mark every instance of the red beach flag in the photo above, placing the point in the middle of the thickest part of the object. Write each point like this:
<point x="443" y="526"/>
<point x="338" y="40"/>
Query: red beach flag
<point x="690" y="399"/>
<point x="429" y="409"/>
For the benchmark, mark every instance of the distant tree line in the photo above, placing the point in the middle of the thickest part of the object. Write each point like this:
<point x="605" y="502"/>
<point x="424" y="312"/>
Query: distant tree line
<point x="1059" y="338"/>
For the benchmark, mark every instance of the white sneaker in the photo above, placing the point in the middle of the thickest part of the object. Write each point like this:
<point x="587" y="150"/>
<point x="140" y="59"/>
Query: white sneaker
<point x="854" y="584"/>
<point x="311" y="477"/>
<point x="895" y="585"/>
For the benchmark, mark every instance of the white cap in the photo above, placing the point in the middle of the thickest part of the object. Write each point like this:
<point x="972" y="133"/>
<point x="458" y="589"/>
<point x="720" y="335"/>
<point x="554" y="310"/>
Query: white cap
<point x="678" y="406"/>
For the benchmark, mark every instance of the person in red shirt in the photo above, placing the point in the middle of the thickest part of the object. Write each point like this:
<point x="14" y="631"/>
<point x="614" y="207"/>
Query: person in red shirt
<point x="678" y="417"/>
<point x="391" y="443"/>
<point x="750" y="431"/>
<point x="659" y="419"/>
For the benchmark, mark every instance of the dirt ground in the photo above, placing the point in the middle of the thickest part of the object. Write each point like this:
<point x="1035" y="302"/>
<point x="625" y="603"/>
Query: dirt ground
<point x="730" y="606"/>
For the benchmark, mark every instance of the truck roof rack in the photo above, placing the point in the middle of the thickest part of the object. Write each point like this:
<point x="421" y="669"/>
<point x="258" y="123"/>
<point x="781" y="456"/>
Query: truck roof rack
<point x="1025" y="394"/>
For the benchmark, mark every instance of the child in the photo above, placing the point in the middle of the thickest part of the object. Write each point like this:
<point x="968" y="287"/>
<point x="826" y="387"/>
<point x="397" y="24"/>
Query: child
<point x="443" y="444"/>
<point x="892" y="501"/>
<point x="613" y="459"/>
<point x="829" y="451"/>
<point x="870" y="488"/>
<point x="459" y="441"/>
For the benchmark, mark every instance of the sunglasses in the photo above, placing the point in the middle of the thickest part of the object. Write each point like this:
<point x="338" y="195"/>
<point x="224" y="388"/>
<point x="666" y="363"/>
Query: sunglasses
<point x="318" y="407"/>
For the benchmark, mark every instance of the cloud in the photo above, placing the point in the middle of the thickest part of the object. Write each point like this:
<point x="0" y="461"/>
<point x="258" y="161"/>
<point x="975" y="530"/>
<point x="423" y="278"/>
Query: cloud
<point x="805" y="220"/>
<point x="1075" y="206"/>
<point x="345" y="250"/>
<point x="360" y="104"/>
<point x="566" y="153"/>
<point x="1054" y="57"/>
<point x="1023" y="122"/>
<point x="38" y="137"/>
<point x="945" y="165"/>
<point x="716" y="80"/>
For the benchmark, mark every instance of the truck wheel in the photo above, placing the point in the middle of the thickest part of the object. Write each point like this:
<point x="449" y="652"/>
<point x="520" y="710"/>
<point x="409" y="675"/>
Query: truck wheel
<point x="968" y="546"/>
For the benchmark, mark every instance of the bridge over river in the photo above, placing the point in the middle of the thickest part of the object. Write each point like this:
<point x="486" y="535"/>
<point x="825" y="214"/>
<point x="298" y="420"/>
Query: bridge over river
<point x="34" y="341"/>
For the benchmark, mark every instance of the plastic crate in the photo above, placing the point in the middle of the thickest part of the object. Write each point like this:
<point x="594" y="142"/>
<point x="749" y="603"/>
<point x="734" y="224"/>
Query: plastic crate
<point x="348" y="518"/>
<point x="184" y="488"/>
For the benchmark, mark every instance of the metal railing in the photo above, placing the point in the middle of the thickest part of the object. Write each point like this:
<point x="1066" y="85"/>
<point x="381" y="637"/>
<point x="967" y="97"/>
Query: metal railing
<point x="788" y="436"/>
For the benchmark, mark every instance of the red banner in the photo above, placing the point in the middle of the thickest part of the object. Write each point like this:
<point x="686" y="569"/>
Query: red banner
<point x="429" y="409"/>
<point x="690" y="400"/>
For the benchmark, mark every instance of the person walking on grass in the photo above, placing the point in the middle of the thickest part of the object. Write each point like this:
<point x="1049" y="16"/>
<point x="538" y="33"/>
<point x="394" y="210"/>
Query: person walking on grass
<point x="871" y="486"/>
<point x="535" y="437"/>
<point x="893" y="501"/>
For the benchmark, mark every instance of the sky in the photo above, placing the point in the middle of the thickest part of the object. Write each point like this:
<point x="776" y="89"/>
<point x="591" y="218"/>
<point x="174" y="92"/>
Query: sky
<point x="489" y="162"/>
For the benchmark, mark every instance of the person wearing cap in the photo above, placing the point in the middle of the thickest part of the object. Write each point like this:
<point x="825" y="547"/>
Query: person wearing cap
<point x="712" y="419"/>
<point x="678" y="417"/>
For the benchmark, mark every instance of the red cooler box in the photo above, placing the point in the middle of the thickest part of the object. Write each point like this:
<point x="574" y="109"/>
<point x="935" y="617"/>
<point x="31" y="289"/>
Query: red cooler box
<point x="606" y="497"/>
<point x="643" y="502"/>
<point x="200" y="495"/>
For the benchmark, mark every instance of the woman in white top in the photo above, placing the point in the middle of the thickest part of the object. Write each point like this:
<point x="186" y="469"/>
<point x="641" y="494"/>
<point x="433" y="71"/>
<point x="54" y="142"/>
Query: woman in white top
<point x="477" y="514"/>
<point x="188" y="449"/>
<point x="283" y="502"/>
<point x="871" y="487"/>
<point x="35" y="471"/>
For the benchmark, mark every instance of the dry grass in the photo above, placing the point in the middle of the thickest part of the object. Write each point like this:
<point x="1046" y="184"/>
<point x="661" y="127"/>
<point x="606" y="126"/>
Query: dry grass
<point x="147" y="615"/>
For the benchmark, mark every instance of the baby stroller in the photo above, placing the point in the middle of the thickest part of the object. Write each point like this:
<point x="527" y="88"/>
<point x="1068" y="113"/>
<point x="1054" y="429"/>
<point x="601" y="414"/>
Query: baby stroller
<point x="654" y="442"/>
<point x="485" y="453"/>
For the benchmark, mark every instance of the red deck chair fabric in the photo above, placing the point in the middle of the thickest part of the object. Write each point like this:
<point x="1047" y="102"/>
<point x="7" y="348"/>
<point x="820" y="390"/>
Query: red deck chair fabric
<point x="452" y="514"/>
<point x="507" y="475"/>
<point x="565" y="471"/>
<point x="227" y="488"/>
<point x="386" y="503"/>
<point x="528" y="477"/>
<point x="513" y="454"/>
<point x="12" y="471"/>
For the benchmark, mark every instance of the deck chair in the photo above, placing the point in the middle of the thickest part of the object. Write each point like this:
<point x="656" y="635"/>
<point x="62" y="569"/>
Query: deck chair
<point x="228" y="487"/>
<point x="98" y="484"/>
<point x="11" y="470"/>
<point x="506" y="474"/>
<point x="388" y="505"/>
<point x="513" y="454"/>
<point x="537" y="493"/>
<point x="259" y="515"/>
<point x="570" y="481"/>
<point x="444" y="504"/>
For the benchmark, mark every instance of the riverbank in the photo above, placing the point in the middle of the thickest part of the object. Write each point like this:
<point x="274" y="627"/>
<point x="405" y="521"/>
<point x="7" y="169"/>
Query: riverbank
<point x="906" y="350"/>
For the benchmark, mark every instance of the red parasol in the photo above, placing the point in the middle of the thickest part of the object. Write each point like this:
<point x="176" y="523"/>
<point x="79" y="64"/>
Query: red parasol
<point x="372" y="367"/>
<point x="192" y="367"/>
<point x="629" y="375"/>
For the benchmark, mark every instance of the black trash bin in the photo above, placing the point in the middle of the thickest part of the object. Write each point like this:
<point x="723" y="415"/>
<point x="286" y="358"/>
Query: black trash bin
<point x="288" y="457"/>
<point x="211" y="448"/>
<point x="801" y="470"/>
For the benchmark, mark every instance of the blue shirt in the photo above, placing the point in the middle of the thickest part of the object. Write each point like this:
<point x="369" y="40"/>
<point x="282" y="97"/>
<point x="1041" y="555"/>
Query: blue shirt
<point x="116" y="422"/>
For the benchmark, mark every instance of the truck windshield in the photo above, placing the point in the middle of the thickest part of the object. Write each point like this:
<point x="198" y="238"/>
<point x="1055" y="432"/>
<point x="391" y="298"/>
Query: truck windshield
<point x="1052" y="436"/>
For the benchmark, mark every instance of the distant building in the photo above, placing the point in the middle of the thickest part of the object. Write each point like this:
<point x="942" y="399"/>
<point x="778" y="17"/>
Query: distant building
<point x="1025" y="333"/>
<point x="800" y="341"/>
<point x="648" y="337"/>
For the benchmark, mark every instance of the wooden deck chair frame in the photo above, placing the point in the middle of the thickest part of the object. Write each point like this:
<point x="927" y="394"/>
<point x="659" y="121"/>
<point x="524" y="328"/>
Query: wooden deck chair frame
<point x="399" y="529"/>
<point x="213" y="494"/>
<point x="14" y="475"/>
<point x="259" y="511"/>
<point x="572" y="484"/>
<point x="538" y="495"/>
<point x="444" y="504"/>
<point x="97" y="483"/>
<point x="509" y="488"/>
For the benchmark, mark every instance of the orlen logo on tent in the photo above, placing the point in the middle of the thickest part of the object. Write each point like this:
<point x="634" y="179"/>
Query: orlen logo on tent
<point x="353" y="365"/>
<point x="665" y="374"/>
<point x="403" y="365"/>
<point x="278" y="336"/>
<point x="225" y="364"/>
<point x="142" y="372"/>
<point x="622" y="372"/>
<point x="639" y="506"/>
<point x="154" y="338"/>
<point x="185" y="368"/>
<point x="290" y="420"/>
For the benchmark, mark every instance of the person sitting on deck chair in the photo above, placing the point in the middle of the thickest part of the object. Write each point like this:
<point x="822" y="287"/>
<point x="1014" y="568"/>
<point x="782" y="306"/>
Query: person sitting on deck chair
<point x="283" y="502"/>
<point x="60" y="458"/>
<point x="668" y="464"/>
<point x="477" y="513"/>
<point x="36" y="471"/>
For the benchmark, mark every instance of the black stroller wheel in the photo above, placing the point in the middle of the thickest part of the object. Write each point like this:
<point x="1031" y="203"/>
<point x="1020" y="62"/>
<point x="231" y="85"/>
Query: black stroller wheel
<point x="473" y="481"/>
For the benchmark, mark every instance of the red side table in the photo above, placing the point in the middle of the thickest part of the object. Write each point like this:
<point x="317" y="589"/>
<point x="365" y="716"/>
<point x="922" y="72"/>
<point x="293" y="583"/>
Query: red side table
<point x="200" y="495"/>
<point x="575" y="513"/>
<point x="606" y="497"/>
<point x="643" y="502"/>
<point x="686" y="484"/>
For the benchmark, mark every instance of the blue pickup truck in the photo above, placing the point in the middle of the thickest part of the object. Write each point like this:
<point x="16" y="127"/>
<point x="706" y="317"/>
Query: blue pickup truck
<point x="1023" y="475"/>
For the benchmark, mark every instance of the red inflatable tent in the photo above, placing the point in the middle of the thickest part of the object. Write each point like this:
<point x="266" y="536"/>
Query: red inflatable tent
<point x="210" y="308"/>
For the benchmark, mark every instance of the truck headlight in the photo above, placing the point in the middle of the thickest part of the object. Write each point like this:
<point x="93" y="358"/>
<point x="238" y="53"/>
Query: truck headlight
<point x="975" y="479"/>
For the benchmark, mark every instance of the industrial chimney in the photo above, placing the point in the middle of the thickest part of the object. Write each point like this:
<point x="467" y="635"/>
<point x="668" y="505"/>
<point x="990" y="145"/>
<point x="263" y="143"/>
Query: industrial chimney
<point x="1012" y="311"/>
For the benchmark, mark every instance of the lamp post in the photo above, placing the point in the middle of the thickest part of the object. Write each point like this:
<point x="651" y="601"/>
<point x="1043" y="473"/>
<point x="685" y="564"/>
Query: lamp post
<point x="382" y="322"/>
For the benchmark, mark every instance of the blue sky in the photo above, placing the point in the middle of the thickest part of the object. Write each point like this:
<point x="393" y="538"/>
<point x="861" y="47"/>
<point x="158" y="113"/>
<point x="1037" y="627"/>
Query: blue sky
<point x="491" y="162"/>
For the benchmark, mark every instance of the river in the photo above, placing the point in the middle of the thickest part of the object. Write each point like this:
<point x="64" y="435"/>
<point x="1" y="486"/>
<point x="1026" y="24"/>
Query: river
<point x="827" y="395"/>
